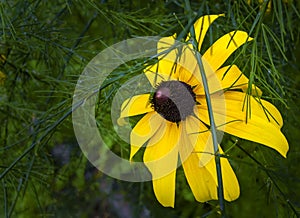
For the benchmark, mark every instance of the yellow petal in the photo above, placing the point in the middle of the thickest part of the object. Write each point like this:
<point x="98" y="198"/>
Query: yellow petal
<point x="199" y="179"/>
<point x="165" y="48"/>
<point x="214" y="83"/>
<point x="161" y="159"/>
<point x="163" y="150"/>
<point x="144" y="130"/>
<point x="231" y="186"/>
<point x="189" y="72"/>
<point x="206" y="160"/>
<point x="201" y="26"/>
<point x="164" y="189"/>
<point x="174" y="62"/>
<point x="189" y="67"/>
<point x="232" y="78"/>
<point x="219" y="52"/>
<point x="245" y="105"/>
<point x="200" y="139"/>
<point x="179" y="64"/>
<point x="164" y="70"/>
<point x="260" y="131"/>
<point x="246" y="118"/>
<point x="136" y="105"/>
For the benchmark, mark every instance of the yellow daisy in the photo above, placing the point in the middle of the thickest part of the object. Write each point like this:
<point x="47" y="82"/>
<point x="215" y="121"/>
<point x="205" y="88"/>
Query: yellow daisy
<point x="175" y="122"/>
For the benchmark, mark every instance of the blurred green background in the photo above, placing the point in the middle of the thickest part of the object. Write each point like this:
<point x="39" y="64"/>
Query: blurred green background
<point x="45" y="46"/>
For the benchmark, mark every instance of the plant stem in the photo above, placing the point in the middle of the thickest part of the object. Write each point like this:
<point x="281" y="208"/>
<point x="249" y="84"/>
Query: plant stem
<point x="211" y="116"/>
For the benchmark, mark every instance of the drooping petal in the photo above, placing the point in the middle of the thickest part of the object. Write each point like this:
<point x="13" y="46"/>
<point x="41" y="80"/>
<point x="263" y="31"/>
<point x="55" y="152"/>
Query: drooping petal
<point x="249" y="119"/>
<point x="206" y="159"/>
<point x="144" y="130"/>
<point x="205" y="151"/>
<point x="198" y="177"/>
<point x="200" y="139"/>
<point x="219" y="52"/>
<point x="161" y="159"/>
<point x="246" y="105"/>
<point x="201" y="26"/>
<point x="136" y="105"/>
<point x="162" y="149"/>
<point x="164" y="189"/>
<point x="231" y="186"/>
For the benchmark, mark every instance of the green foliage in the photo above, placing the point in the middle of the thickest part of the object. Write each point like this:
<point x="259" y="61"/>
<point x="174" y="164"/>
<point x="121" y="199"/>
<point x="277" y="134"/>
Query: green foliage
<point x="45" y="46"/>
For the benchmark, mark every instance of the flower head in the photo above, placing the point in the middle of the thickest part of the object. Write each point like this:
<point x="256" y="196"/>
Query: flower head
<point x="176" y="117"/>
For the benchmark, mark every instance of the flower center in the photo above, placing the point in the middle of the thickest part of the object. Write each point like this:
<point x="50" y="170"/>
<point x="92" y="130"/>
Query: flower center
<point x="174" y="100"/>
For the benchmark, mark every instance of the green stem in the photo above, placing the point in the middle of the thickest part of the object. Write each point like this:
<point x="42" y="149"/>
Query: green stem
<point x="213" y="129"/>
<point x="211" y="116"/>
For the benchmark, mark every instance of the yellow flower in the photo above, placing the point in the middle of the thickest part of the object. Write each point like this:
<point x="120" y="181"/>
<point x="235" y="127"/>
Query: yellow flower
<point x="176" y="116"/>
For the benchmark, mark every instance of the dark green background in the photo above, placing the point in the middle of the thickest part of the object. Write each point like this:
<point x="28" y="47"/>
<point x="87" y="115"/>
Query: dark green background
<point x="46" y="44"/>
